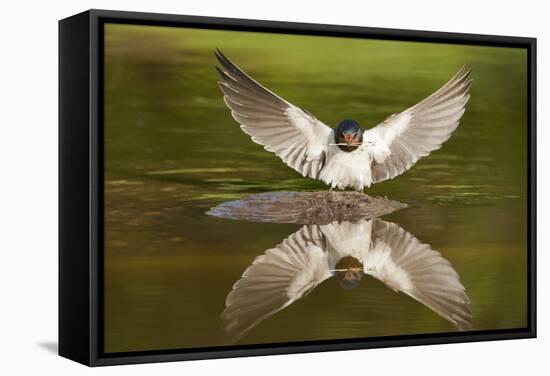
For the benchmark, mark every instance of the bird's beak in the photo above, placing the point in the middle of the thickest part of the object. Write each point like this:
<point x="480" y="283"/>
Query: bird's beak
<point x="348" y="138"/>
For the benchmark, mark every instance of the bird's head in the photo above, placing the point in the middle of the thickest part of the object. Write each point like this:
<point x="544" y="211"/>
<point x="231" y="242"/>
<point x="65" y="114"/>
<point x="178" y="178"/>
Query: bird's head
<point x="349" y="135"/>
<point x="349" y="271"/>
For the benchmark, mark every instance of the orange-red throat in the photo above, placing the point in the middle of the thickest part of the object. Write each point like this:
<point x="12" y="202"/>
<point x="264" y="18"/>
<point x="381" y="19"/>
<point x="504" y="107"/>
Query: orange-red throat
<point x="349" y="138"/>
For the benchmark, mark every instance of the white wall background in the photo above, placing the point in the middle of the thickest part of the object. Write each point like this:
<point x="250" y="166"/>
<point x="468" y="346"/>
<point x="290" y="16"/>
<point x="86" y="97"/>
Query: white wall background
<point x="28" y="185"/>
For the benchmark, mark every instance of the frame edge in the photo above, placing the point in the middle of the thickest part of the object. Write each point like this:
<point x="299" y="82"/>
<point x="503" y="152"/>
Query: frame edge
<point x="74" y="188"/>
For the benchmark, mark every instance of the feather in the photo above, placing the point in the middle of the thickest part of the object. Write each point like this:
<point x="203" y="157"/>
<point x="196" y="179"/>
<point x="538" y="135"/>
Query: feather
<point x="273" y="122"/>
<point x="427" y="125"/>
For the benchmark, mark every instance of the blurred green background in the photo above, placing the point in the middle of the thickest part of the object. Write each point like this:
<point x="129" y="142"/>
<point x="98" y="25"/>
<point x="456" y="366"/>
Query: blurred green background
<point x="172" y="151"/>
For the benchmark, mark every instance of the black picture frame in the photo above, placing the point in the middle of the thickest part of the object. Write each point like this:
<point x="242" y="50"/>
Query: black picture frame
<point x="81" y="186"/>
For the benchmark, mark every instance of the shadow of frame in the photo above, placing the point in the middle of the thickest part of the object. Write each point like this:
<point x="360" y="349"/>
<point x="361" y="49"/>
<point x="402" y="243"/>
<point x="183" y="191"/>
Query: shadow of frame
<point x="51" y="347"/>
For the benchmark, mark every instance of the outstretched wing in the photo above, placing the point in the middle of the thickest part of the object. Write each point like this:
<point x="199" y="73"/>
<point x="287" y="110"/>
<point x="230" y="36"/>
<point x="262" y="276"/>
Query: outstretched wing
<point x="400" y="261"/>
<point x="276" y="279"/>
<point x="397" y="143"/>
<point x="294" y="135"/>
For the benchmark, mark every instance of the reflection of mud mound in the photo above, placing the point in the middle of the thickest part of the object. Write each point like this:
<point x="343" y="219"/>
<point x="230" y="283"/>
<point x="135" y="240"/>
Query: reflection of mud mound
<point x="306" y="207"/>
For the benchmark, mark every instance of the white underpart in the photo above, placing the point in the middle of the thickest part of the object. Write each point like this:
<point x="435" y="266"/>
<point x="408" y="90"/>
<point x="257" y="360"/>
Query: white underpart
<point x="347" y="169"/>
<point x="347" y="239"/>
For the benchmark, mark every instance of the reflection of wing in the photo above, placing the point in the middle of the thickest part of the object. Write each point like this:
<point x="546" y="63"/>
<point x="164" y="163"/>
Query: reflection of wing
<point x="400" y="261"/>
<point x="294" y="135"/>
<point x="275" y="280"/>
<point x="403" y="138"/>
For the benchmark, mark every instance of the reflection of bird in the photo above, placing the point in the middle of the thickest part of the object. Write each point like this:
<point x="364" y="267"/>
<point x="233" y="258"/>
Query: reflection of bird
<point x="380" y="249"/>
<point x="347" y="156"/>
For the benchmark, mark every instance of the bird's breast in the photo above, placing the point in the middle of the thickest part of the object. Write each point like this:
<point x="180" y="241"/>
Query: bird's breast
<point x="347" y="169"/>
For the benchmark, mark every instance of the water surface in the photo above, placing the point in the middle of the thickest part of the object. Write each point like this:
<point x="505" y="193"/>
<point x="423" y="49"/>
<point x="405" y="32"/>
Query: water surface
<point x="172" y="152"/>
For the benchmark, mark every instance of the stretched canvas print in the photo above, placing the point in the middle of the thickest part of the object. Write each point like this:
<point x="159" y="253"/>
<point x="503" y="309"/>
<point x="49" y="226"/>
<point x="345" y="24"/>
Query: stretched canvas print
<point x="263" y="188"/>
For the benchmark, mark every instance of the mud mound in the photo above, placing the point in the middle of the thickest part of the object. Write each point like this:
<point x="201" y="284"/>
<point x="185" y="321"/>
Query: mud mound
<point x="306" y="207"/>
